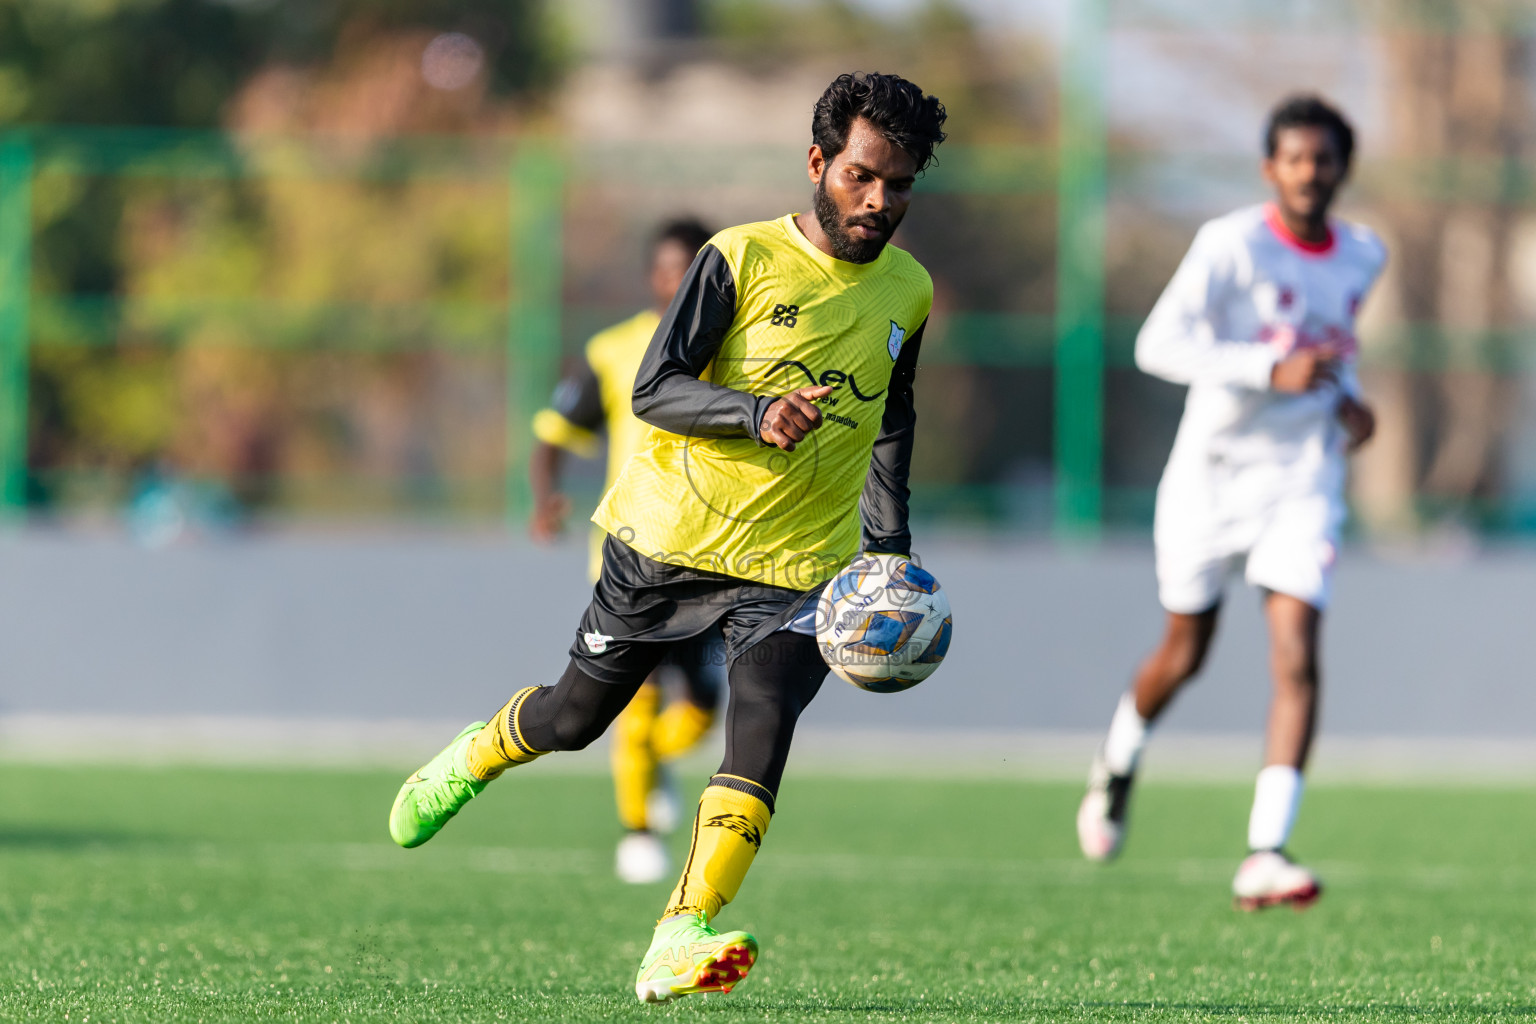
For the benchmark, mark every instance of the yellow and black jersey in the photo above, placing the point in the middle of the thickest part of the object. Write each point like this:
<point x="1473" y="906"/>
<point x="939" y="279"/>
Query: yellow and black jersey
<point x="762" y="312"/>
<point x="596" y="398"/>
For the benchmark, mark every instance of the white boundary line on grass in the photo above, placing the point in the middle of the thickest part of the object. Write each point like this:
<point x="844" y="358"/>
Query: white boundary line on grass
<point x="862" y="753"/>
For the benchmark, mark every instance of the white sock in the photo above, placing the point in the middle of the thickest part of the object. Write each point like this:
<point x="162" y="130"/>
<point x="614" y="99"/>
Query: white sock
<point x="1276" y="797"/>
<point x="1127" y="735"/>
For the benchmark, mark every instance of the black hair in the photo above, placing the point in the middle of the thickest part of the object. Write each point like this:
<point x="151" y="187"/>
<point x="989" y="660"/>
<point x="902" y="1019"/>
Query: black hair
<point x="689" y="232"/>
<point x="895" y="106"/>
<point x="1306" y="111"/>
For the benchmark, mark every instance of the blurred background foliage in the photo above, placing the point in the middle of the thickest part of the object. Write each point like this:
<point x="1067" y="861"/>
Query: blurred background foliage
<point x="250" y="270"/>
<point x="271" y="251"/>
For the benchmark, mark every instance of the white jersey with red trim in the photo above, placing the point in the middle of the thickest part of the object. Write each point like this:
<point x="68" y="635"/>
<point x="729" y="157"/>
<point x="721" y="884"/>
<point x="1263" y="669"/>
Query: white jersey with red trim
<point x="1247" y="293"/>
<point x="1255" y="474"/>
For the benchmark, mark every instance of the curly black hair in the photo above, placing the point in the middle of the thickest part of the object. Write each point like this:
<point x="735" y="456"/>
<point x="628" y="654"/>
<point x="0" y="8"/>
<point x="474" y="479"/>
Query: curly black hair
<point x="895" y="106"/>
<point x="1306" y="111"/>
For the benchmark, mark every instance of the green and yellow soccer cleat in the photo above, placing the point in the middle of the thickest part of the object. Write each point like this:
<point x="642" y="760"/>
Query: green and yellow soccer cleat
<point x="435" y="792"/>
<point x="687" y="956"/>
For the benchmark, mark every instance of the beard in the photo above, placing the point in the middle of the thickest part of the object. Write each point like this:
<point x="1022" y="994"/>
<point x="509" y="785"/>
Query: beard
<point x="844" y="245"/>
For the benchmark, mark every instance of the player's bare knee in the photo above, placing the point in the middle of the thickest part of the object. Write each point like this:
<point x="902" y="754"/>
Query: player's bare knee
<point x="1295" y="668"/>
<point x="1183" y="655"/>
<point x="1192" y="660"/>
<point x="1298" y="680"/>
<point x="1185" y="645"/>
<point x="1293" y="653"/>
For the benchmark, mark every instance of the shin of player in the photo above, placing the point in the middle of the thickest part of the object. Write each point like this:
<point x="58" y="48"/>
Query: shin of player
<point x="1259" y="323"/>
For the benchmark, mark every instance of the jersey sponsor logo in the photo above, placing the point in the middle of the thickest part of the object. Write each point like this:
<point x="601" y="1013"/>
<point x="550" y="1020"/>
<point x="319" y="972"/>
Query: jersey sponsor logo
<point x="785" y="315"/>
<point x="835" y="379"/>
<point x="597" y="643"/>
<point x="893" y="343"/>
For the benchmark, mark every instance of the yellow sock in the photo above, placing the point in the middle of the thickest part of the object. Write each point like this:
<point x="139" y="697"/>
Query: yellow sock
<point x="678" y="728"/>
<point x="500" y="745"/>
<point x="732" y="819"/>
<point x="633" y="760"/>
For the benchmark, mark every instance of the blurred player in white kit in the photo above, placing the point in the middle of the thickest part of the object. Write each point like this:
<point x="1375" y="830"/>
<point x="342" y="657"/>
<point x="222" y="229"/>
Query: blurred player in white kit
<point x="1259" y="321"/>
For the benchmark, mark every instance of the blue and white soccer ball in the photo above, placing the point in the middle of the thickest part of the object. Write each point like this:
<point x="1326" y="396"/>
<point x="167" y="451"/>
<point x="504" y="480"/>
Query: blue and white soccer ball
<point x="883" y="623"/>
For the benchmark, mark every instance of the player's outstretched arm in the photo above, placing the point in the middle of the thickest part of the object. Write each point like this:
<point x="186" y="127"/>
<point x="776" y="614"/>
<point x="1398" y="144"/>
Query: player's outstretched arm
<point x="1178" y="342"/>
<point x="668" y="392"/>
<point x="884" y="503"/>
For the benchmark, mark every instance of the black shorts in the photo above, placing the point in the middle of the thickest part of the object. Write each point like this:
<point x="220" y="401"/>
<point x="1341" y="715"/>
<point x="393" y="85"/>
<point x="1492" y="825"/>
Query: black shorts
<point x="639" y="602"/>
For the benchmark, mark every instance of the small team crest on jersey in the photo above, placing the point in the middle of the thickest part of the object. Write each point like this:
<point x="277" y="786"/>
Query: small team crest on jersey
<point x="893" y="343"/>
<point x="1287" y="297"/>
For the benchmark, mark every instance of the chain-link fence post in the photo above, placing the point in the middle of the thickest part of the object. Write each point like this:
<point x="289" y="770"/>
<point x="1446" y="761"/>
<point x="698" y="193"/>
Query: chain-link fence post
<point x="533" y="306"/>
<point x="1081" y="190"/>
<point x="15" y="302"/>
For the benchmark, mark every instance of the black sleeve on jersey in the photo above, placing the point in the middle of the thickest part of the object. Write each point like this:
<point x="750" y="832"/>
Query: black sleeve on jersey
<point x="883" y="505"/>
<point x="668" y="392"/>
<point x="579" y="398"/>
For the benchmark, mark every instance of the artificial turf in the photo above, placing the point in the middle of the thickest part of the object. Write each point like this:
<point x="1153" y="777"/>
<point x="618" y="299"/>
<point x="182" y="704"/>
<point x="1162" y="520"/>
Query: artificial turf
<point x="181" y="894"/>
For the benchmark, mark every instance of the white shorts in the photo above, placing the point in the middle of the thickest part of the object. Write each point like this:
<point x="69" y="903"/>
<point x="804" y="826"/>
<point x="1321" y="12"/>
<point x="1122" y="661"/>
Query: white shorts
<point x="1204" y="530"/>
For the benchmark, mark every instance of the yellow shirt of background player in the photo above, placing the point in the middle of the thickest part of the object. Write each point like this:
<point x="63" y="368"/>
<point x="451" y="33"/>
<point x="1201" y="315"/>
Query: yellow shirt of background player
<point x="753" y="511"/>
<point x="614" y="356"/>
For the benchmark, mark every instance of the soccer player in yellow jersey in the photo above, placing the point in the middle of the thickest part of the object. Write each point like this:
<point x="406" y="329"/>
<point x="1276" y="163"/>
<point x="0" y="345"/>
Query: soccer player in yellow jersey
<point x="779" y="387"/>
<point x="597" y="398"/>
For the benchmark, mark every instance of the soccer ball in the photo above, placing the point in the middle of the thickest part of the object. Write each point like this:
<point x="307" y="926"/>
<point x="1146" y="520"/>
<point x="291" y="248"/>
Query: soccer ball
<point x="883" y="623"/>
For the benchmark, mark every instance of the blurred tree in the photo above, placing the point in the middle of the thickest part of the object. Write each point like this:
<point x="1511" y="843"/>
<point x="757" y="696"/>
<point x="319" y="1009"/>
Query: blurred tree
<point x="178" y="62"/>
<point x="1463" y="95"/>
<point x="359" y="68"/>
<point x="673" y="19"/>
<point x="997" y="89"/>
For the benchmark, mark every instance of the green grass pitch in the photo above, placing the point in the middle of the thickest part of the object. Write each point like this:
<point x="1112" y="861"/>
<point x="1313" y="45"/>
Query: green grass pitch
<point x="171" y="895"/>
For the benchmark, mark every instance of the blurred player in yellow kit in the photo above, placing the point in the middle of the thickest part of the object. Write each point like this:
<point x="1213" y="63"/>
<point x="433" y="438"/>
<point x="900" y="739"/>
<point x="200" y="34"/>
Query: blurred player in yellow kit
<point x="597" y="398"/>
